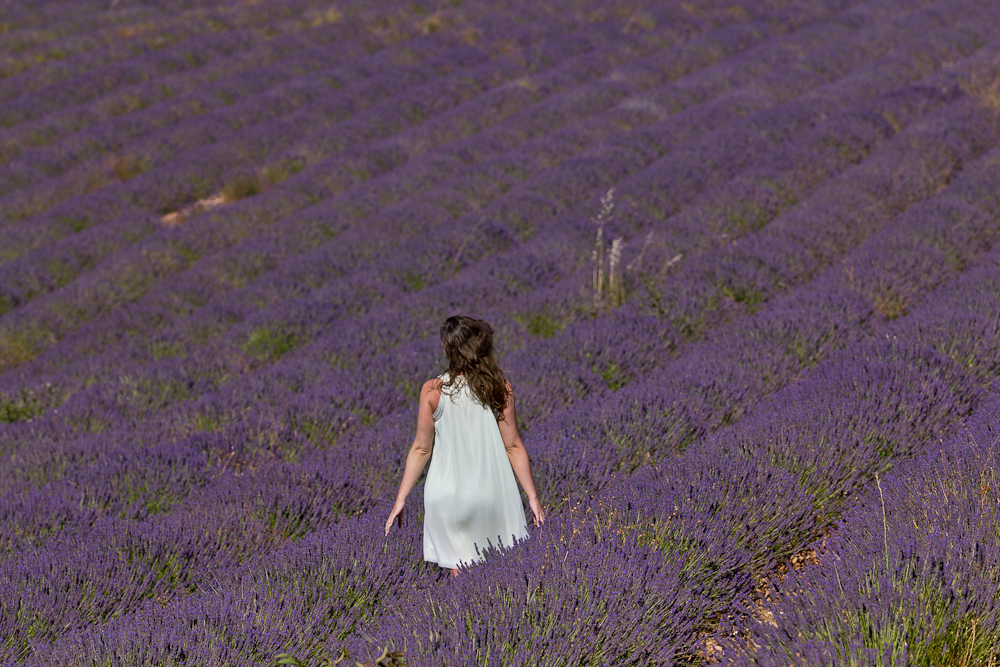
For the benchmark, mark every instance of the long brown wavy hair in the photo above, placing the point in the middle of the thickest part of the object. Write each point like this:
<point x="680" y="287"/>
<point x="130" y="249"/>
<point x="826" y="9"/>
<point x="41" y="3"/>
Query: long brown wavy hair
<point x="468" y="344"/>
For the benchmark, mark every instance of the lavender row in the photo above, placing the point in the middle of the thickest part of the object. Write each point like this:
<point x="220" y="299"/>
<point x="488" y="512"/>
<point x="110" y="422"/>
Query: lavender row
<point x="23" y="25"/>
<point x="272" y="315"/>
<point x="264" y="27"/>
<point x="426" y="268"/>
<point x="48" y="145"/>
<point x="881" y="279"/>
<point x="728" y="551"/>
<point x="906" y="578"/>
<point x="183" y="41"/>
<point x="361" y="481"/>
<point x="309" y="149"/>
<point x="322" y="350"/>
<point x="230" y="226"/>
<point x="62" y="56"/>
<point x="83" y="27"/>
<point x="699" y="545"/>
<point x="316" y="108"/>
<point x="832" y="313"/>
<point x="573" y="363"/>
<point x="280" y="64"/>
<point x="763" y="480"/>
<point x="195" y="174"/>
<point x="360" y="200"/>
<point x="356" y="164"/>
<point x="302" y="106"/>
<point x="266" y="387"/>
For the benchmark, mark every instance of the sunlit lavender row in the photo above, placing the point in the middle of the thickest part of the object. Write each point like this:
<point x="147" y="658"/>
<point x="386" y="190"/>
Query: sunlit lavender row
<point x="741" y="259"/>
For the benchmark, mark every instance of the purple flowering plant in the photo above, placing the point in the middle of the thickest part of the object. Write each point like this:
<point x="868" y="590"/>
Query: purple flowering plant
<point x="741" y="259"/>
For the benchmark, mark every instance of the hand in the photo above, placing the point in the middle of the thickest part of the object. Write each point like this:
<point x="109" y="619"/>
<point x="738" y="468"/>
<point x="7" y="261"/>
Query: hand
<point x="536" y="509"/>
<point x="397" y="513"/>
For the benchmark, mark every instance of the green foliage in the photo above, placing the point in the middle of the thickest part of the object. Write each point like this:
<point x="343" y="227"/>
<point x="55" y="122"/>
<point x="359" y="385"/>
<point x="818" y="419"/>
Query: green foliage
<point x="321" y="432"/>
<point x="890" y="304"/>
<point x="28" y="404"/>
<point x="247" y="269"/>
<point x="926" y="625"/>
<point x="77" y="223"/>
<point x="413" y="282"/>
<point x="185" y="251"/>
<point x="160" y="349"/>
<point x="243" y="186"/>
<point x="614" y="376"/>
<point x="847" y="152"/>
<point x="130" y="103"/>
<point x="62" y="274"/>
<point x="269" y="344"/>
<point x="787" y="195"/>
<point x="893" y="120"/>
<point x="359" y="173"/>
<point x="281" y="170"/>
<point x="21" y="345"/>
<point x="541" y="325"/>
<point x="746" y="216"/>
<point x="521" y="226"/>
<point x="42" y="137"/>
<point x="200" y="188"/>
<point x="128" y="166"/>
<point x="962" y="643"/>
<point x="6" y="304"/>
<point x="748" y="296"/>
<point x="320" y="657"/>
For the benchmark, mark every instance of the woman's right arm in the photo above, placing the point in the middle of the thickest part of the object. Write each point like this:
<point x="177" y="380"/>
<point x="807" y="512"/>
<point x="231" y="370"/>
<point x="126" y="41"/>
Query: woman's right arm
<point x="518" y="456"/>
<point x="420" y="451"/>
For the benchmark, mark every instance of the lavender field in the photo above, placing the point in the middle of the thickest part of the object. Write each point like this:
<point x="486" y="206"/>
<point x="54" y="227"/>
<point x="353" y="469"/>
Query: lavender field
<point x="743" y="262"/>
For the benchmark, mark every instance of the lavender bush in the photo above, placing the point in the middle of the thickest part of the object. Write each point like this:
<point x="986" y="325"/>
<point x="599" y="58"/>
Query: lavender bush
<point x="741" y="260"/>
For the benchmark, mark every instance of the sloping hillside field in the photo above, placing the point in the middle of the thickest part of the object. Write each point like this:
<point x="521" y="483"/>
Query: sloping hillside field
<point x="742" y="258"/>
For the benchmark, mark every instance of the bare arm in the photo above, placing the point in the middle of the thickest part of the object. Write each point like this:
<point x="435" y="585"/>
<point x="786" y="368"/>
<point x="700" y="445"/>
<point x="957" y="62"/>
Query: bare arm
<point x="420" y="451"/>
<point x="518" y="456"/>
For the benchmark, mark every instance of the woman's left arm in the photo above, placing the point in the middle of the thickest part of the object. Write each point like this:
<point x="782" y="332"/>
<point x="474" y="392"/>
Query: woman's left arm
<point x="420" y="451"/>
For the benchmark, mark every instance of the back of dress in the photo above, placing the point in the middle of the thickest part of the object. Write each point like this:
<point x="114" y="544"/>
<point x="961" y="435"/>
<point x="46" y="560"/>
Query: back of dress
<point x="470" y="494"/>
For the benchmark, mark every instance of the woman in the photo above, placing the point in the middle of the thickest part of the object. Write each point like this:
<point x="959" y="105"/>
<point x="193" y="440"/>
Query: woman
<point x="467" y="417"/>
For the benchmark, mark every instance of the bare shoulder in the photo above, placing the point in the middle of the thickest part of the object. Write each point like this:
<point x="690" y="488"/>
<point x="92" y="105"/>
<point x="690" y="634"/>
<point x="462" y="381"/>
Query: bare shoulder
<point x="431" y="393"/>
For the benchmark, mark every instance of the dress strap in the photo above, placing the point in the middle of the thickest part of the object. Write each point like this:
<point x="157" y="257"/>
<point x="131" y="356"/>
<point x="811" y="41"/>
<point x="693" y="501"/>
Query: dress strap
<point x="440" y="408"/>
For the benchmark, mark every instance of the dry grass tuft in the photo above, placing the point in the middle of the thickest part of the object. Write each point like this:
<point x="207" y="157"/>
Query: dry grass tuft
<point x="179" y="217"/>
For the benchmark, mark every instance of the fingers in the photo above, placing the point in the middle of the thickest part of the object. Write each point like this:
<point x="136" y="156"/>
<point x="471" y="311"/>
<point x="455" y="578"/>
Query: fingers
<point x="537" y="511"/>
<point x="539" y="515"/>
<point x="393" y="517"/>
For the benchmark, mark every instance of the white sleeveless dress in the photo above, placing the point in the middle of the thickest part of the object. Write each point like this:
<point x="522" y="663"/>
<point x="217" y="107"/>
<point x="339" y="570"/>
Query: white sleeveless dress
<point x="470" y="493"/>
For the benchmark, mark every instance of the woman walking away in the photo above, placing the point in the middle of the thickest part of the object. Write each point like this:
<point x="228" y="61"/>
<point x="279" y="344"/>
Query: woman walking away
<point x="467" y="417"/>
